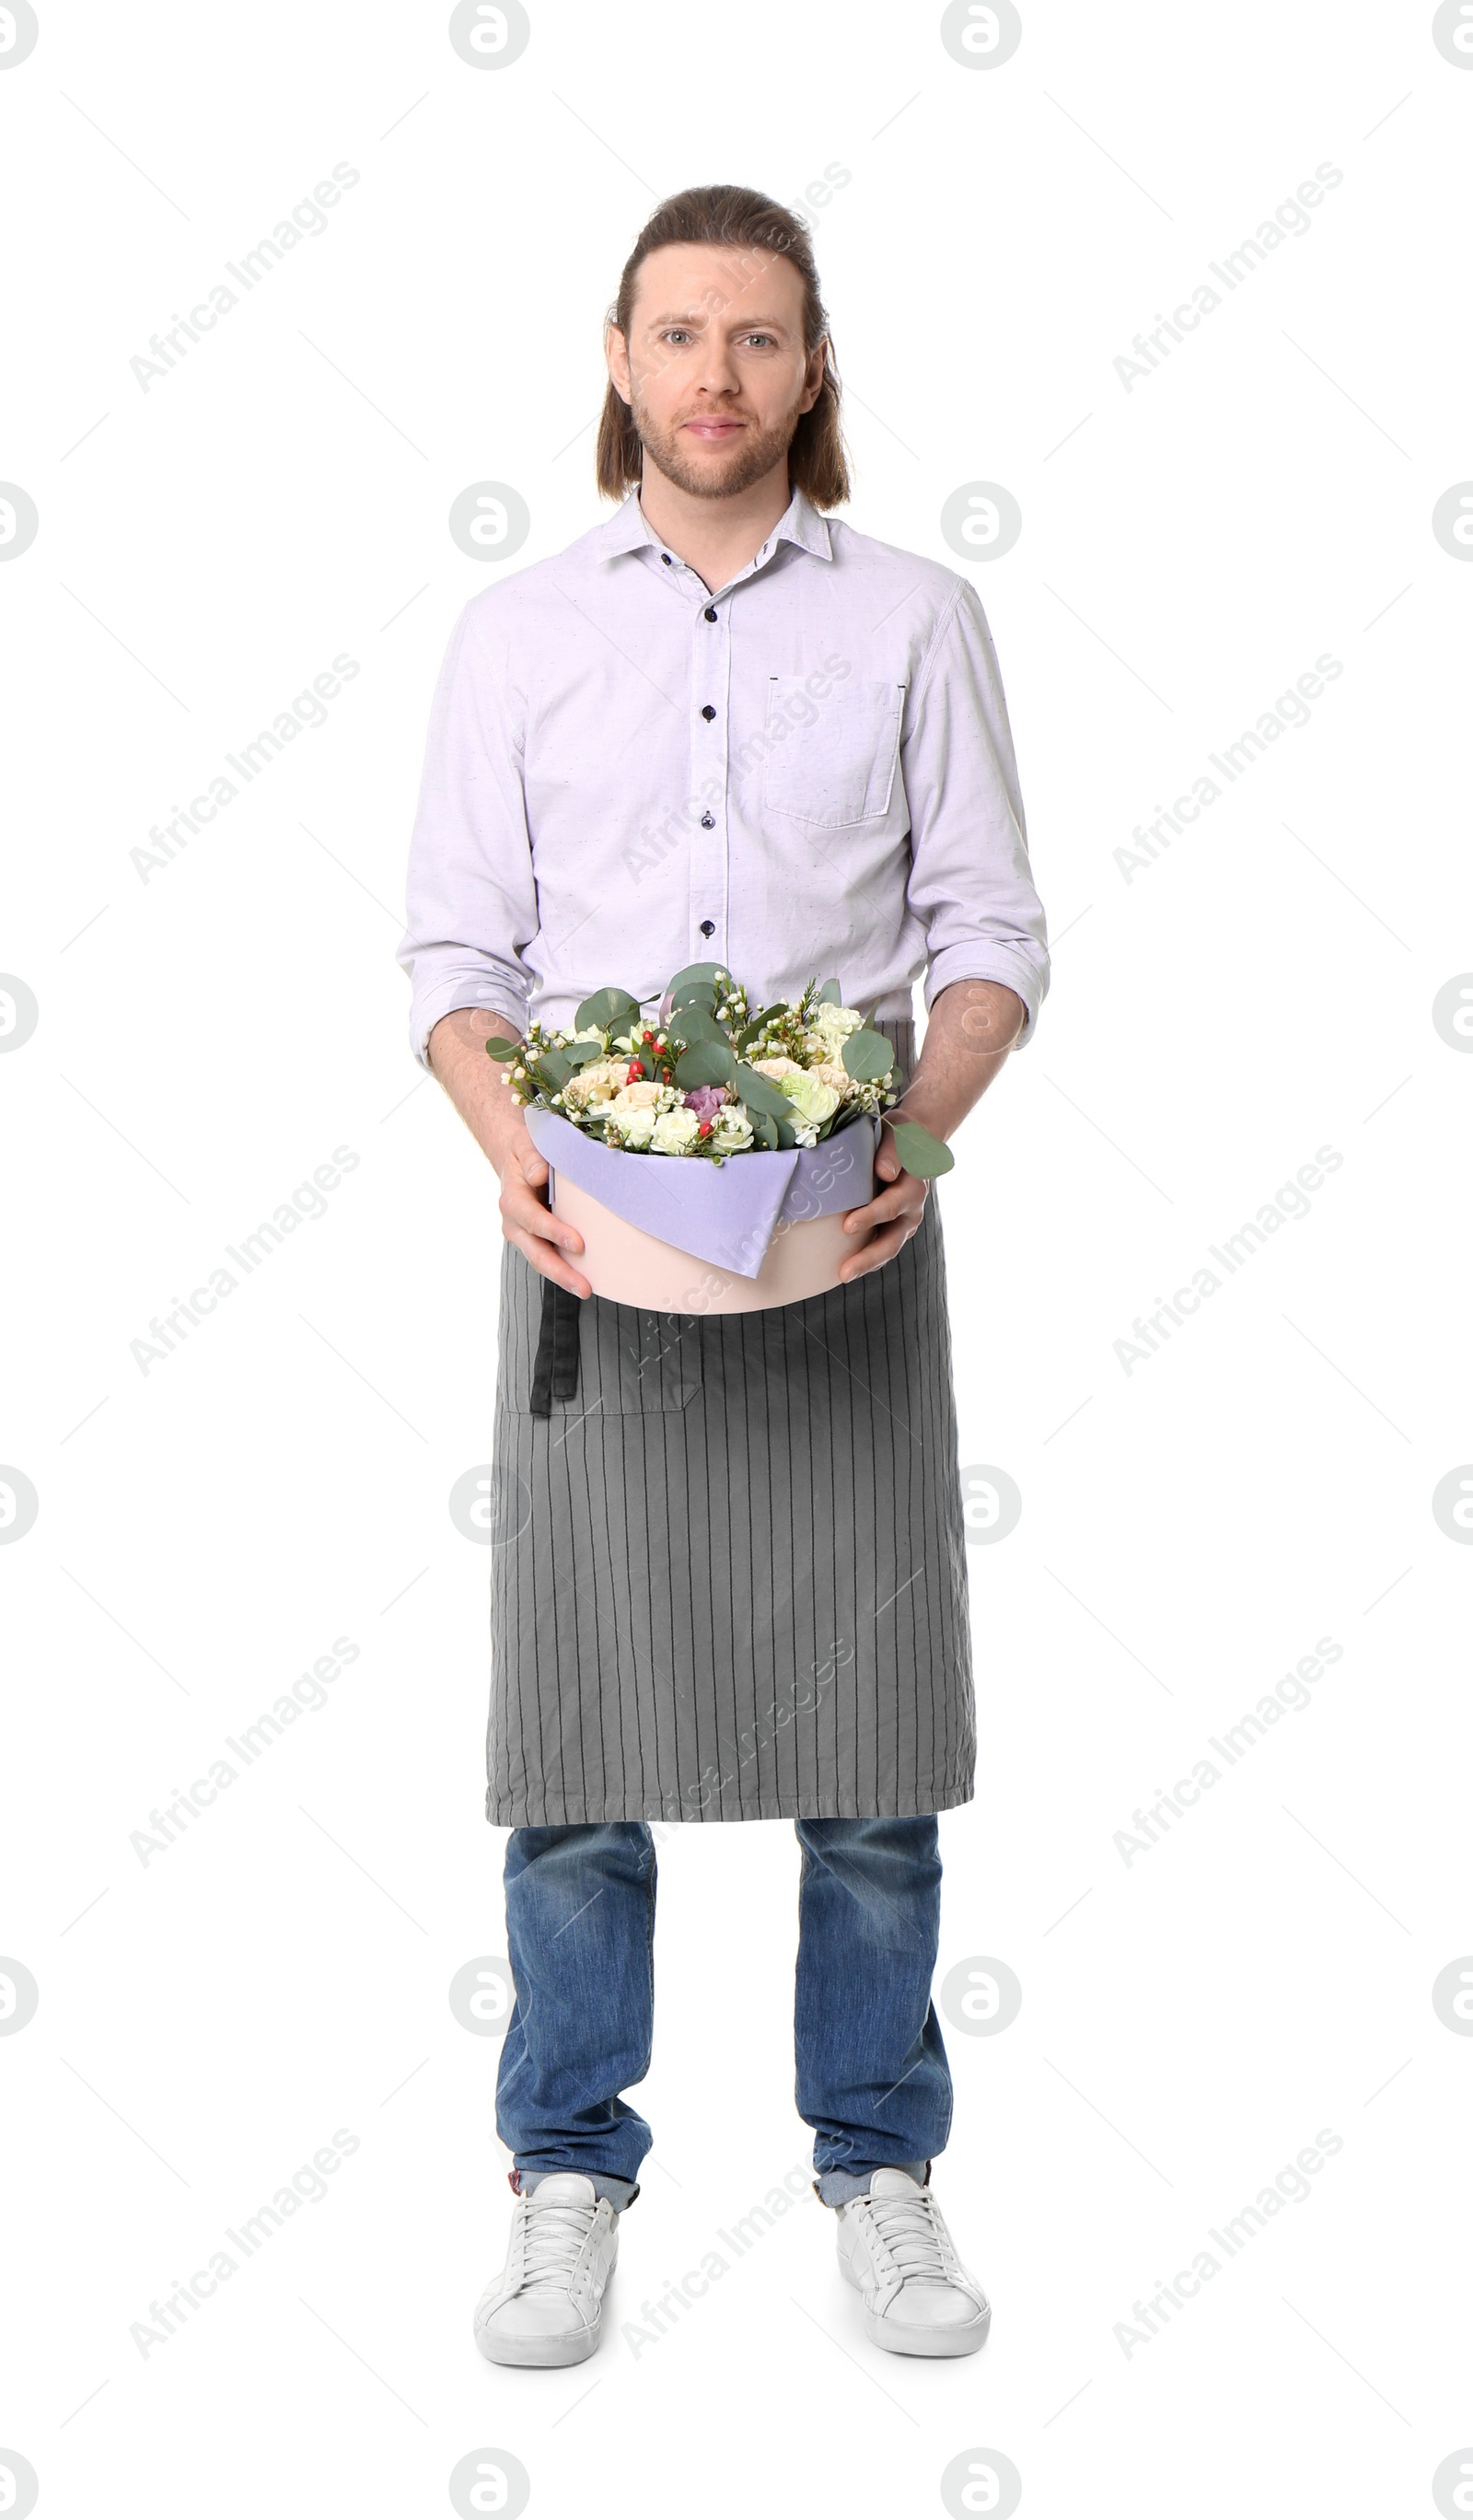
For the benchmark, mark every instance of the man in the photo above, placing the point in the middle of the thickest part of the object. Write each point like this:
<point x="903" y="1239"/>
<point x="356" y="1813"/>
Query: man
<point x="730" y="1578"/>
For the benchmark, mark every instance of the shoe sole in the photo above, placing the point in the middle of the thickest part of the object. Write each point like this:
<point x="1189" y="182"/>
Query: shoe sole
<point x="883" y="2333"/>
<point x="540" y="2352"/>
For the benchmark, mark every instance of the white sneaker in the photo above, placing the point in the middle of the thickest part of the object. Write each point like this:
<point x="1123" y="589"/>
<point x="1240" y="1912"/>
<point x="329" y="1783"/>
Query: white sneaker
<point x="546" y="2306"/>
<point x="895" y="2249"/>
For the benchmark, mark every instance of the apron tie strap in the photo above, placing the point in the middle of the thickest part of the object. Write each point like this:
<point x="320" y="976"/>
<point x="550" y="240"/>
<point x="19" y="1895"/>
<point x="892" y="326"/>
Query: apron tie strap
<point x="554" y="1374"/>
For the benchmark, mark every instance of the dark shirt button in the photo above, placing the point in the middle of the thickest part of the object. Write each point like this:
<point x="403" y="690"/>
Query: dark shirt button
<point x="710" y="611"/>
<point x="709" y="712"/>
<point x="708" y="822"/>
<point x="665" y="557"/>
<point x="708" y="927"/>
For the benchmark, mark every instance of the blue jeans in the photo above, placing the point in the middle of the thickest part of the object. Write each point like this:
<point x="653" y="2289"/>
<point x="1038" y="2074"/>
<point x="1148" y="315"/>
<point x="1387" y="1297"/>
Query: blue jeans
<point x="872" y="2080"/>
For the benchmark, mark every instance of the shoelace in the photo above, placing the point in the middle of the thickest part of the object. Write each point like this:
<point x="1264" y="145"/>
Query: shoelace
<point x="907" y="2226"/>
<point x="555" y="2235"/>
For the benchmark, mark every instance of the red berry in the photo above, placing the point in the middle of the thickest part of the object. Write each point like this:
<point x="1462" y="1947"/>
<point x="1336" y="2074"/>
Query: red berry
<point x="704" y="1129"/>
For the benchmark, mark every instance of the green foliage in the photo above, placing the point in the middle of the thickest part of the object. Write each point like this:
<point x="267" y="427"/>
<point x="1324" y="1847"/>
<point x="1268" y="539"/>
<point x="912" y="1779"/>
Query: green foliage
<point x="760" y="1093"/>
<point x="707" y="971"/>
<point x="868" y="1056"/>
<point x="920" y="1153"/>
<point x="609" y="1009"/>
<point x="691" y="1023"/>
<point x="505" y="1051"/>
<point x="831" y="994"/>
<point x="705" y="1062"/>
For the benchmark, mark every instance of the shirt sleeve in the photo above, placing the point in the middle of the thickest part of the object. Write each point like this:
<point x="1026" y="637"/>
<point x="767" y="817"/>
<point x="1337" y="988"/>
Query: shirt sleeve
<point x="471" y="894"/>
<point x="970" y="883"/>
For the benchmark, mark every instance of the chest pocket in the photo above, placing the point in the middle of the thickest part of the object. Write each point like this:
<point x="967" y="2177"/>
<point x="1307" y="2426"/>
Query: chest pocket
<point x="830" y="762"/>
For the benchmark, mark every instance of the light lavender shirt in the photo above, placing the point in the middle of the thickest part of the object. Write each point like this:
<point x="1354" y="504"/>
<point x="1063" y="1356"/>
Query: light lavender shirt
<point x="809" y="772"/>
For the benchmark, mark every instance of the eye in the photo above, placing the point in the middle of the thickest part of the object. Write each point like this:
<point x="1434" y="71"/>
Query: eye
<point x="763" y="339"/>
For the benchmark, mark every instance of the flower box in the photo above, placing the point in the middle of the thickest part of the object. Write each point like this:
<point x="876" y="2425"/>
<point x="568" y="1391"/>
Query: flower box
<point x="697" y="1238"/>
<point x="707" y="1154"/>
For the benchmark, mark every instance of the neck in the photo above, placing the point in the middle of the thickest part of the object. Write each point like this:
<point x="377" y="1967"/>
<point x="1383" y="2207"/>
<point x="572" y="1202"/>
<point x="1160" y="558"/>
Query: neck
<point x="714" y="536"/>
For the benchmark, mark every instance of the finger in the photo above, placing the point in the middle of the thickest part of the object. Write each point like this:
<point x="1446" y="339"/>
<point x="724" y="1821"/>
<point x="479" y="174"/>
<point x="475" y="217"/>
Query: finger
<point x="874" y="1255"/>
<point x="532" y="1218"/>
<point x="890" y="1204"/>
<point x="545" y="1259"/>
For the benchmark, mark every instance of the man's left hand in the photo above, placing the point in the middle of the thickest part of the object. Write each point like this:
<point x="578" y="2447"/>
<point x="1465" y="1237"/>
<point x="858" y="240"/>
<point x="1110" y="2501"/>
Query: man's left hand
<point x="886" y="1223"/>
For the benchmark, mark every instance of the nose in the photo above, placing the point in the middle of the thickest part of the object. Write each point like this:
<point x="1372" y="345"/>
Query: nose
<point x="716" y="369"/>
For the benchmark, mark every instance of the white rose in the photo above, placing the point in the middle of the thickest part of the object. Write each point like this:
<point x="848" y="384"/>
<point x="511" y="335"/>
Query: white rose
<point x="674" y="1131"/>
<point x="642" y="1094"/>
<point x="809" y="1093"/>
<point x="778" y="1067"/>
<point x="833" y="1024"/>
<point x="635" y="1126"/>
<point x="731" y="1130"/>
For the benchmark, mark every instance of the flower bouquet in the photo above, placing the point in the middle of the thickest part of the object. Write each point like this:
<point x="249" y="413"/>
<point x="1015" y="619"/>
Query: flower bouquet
<point x="797" y="1089"/>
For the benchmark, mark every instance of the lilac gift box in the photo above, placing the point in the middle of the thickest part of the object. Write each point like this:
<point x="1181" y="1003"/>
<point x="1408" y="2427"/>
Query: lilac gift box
<point x="679" y="1234"/>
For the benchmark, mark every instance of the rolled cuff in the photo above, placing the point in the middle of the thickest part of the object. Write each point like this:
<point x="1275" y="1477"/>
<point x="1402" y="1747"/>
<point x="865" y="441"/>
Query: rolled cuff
<point x="1017" y="971"/>
<point x="443" y="999"/>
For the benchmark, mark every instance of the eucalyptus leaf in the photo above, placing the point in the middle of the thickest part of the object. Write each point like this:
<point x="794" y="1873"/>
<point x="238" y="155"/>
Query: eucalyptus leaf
<point x="497" y="1048"/>
<point x="788" y="1134"/>
<point x="605" y="1008"/>
<point x="868" y="1056"/>
<point x="580" y="1054"/>
<point x="761" y="1093"/>
<point x="695" y="971"/>
<point x="554" y="1067"/>
<point x="705" y="1062"/>
<point x="922" y="1155"/>
<point x="693" y="993"/>
<point x="764" y="1131"/>
<point x="831" y="994"/>
<point x="693" y="1024"/>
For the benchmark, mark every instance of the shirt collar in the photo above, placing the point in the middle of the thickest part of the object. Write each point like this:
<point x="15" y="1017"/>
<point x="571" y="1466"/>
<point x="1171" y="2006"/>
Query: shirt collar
<point x="628" y="529"/>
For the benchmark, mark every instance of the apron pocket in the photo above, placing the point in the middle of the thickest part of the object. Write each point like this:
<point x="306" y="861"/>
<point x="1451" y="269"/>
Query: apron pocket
<point x="566" y="1357"/>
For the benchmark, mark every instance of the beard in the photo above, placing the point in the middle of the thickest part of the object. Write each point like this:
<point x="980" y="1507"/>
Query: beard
<point x="748" y="459"/>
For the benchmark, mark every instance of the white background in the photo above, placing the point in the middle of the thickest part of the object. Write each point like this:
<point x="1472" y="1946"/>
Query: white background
<point x="207" y="1036"/>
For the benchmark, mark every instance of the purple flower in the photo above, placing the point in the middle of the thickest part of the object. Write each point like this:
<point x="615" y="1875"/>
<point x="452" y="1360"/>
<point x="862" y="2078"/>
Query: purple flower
<point x="705" y="1101"/>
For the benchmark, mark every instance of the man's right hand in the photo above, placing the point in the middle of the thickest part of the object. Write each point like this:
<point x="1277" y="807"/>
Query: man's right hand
<point x="525" y="1216"/>
<point x="476" y="1085"/>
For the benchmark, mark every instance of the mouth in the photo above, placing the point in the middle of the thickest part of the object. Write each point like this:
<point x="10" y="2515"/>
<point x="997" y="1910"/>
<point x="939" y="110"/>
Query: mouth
<point x="714" y="432"/>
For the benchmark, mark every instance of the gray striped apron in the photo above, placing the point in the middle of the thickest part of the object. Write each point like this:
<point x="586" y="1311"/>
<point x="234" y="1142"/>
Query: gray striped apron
<point x="729" y="1567"/>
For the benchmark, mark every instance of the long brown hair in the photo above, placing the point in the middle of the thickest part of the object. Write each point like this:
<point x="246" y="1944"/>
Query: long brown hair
<point x="729" y="214"/>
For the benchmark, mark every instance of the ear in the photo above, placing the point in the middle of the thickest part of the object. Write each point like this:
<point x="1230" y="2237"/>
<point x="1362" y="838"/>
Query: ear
<point x="616" y="358"/>
<point x="813" y="375"/>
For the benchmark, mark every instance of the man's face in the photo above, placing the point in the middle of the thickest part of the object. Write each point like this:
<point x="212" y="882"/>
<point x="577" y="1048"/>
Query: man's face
<point x="714" y="368"/>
